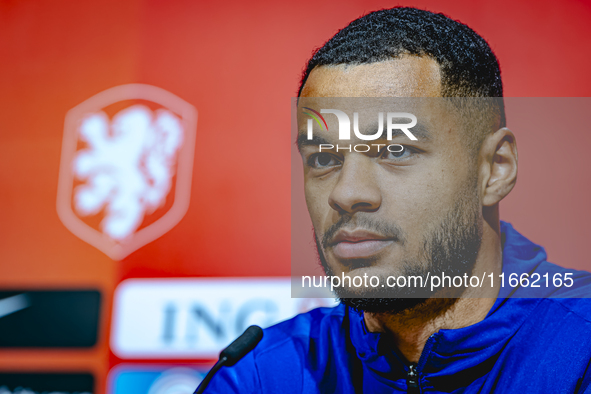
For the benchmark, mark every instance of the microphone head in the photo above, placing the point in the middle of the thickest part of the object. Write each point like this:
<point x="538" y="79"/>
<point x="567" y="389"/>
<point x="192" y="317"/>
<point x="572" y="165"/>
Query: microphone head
<point x="242" y="345"/>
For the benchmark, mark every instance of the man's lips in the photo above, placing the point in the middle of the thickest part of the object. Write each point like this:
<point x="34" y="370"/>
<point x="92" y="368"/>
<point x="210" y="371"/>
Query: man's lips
<point x="358" y="244"/>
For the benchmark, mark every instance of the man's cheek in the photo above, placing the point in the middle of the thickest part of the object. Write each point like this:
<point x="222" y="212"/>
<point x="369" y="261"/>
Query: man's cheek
<point x="318" y="206"/>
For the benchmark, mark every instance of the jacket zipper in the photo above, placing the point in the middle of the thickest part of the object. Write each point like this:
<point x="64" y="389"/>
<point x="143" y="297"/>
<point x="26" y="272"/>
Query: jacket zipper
<point x="412" y="380"/>
<point x="412" y="376"/>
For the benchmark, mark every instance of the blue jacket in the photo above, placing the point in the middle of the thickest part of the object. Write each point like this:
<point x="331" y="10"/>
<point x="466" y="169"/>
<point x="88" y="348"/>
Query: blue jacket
<point x="524" y="345"/>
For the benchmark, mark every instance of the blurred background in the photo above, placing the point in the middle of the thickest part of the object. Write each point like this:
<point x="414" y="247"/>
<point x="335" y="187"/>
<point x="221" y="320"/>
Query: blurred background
<point x="145" y="194"/>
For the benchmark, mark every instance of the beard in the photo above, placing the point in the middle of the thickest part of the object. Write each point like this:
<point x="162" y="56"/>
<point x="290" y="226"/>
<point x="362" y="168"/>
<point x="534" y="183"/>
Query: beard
<point x="449" y="247"/>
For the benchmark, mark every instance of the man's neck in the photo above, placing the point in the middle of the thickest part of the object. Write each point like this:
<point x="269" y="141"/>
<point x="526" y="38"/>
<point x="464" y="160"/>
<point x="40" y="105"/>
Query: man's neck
<point x="410" y="329"/>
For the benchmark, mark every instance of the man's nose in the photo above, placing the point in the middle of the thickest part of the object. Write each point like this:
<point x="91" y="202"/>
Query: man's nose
<point x="357" y="188"/>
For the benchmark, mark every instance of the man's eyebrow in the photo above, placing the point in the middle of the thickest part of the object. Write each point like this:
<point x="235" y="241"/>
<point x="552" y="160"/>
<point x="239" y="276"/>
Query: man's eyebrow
<point x="304" y="141"/>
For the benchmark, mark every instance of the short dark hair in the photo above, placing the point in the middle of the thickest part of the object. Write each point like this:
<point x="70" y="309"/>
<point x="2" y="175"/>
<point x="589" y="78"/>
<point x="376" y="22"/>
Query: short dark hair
<point x="468" y="66"/>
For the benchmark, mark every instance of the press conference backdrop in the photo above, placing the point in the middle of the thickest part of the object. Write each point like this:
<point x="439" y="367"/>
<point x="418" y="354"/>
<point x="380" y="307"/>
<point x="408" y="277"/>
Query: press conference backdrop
<point x="145" y="173"/>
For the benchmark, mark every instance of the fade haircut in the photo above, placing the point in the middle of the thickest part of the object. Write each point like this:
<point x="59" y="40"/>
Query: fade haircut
<point x="467" y="65"/>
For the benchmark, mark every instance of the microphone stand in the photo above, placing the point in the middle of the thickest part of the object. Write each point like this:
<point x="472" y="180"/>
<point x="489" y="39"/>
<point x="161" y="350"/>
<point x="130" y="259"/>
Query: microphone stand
<point x="205" y="382"/>
<point x="233" y="353"/>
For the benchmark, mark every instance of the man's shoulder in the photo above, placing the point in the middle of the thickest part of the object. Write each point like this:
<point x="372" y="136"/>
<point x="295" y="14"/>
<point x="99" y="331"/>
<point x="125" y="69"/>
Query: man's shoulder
<point x="567" y="287"/>
<point x="284" y="354"/>
<point x="302" y="328"/>
<point x="571" y="291"/>
<point x="527" y="273"/>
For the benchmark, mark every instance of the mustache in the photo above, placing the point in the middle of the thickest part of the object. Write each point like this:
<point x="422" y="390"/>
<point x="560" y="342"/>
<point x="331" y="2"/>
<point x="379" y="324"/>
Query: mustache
<point x="387" y="230"/>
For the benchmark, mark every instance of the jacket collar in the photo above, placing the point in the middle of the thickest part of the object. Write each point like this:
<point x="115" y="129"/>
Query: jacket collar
<point x="470" y="350"/>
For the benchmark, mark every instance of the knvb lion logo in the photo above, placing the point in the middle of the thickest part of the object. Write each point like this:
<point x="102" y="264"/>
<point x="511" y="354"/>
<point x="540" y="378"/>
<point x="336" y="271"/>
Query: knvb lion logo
<point x="127" y="160"/>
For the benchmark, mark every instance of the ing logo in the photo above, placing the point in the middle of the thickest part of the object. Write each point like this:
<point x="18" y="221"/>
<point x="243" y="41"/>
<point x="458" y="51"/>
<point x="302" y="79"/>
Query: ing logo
<point x="126" y="167"/>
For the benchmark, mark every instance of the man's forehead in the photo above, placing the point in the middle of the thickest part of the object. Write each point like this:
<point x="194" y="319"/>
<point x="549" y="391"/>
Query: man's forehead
<point x="407" y="76"/>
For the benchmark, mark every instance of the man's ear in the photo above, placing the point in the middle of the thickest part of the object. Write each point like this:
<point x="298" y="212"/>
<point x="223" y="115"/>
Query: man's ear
<point x="499" y="166"/>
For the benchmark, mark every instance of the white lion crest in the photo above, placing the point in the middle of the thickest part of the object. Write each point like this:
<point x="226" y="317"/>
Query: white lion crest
<point x="128" y="166"/>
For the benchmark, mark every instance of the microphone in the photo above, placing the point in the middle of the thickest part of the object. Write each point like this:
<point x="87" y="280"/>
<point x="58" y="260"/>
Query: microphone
<point x="242" y="345"/>
<point x="233" y="353"/>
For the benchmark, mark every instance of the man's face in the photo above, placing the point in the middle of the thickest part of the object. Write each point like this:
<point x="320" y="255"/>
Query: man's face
<point x="390" y="213"/>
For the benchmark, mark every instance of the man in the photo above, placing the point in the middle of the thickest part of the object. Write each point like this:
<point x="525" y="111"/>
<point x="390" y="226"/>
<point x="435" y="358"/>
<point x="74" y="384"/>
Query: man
<point x="428" y="207"/>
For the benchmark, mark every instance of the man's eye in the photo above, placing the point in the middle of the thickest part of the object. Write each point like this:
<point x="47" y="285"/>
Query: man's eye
<point x="321" y="160"/>
<point x="398" y="152"/>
